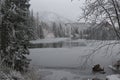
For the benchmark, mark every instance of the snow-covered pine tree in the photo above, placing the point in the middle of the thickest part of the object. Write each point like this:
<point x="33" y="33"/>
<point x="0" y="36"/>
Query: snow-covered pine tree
<point x="41" y="32"/>
<point x="32" y="27"/>
<point x="55" y="29"/>
<point x="14" y="37"/>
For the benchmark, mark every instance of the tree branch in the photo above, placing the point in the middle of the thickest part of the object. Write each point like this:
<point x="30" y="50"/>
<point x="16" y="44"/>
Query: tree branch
<point x="116" y="12"/>
<point x="117" y="33"/>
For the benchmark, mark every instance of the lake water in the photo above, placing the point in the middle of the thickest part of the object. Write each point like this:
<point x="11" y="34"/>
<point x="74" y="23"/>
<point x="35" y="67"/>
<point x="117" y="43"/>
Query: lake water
<point x="58" y="44"/>
<point x="72" y="57"/>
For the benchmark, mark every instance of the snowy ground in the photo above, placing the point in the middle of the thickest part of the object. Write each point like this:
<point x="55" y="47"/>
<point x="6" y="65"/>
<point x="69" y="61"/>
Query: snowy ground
<point x="114" y="77"/>
<point x="66" y="75"/>
<point x="69" y="63"/>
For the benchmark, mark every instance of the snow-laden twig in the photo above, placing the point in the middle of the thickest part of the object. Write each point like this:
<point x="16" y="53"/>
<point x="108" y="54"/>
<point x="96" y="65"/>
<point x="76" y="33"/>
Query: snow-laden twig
<point x="88" y="57"/>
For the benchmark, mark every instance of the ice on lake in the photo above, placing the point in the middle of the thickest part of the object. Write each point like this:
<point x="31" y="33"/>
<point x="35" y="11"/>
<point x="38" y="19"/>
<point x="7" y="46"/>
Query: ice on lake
<point x="73" y="59"/>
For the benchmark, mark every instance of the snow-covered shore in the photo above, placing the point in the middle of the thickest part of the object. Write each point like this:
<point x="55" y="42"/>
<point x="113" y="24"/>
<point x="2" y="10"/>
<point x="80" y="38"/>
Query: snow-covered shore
<point x="113" y="77"/>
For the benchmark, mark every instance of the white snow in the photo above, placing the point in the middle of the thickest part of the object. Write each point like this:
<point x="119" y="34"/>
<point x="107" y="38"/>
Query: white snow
<point x="54" y="74"/>
<point x="79" y="40"/>
<point x="49" y="35"/>
<point x="113" y="77"/>
<point x="58" y="75"/>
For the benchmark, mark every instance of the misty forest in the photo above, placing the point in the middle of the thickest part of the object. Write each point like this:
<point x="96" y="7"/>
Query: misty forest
<point x="37" y="45"/>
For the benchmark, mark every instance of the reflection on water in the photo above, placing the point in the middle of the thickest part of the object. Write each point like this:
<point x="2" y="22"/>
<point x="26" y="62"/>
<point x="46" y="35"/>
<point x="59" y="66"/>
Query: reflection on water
<point x="46" y="45"/>
<point x="57" y="45"/>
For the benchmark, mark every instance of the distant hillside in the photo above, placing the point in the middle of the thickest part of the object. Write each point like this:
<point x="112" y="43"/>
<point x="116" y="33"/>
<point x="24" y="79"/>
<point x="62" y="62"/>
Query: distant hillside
<point x="53" y="17"/>
<point x="53" y="25"/>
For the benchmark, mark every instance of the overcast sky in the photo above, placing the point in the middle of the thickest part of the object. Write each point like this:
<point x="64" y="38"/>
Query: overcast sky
<point x="66" y="8"/>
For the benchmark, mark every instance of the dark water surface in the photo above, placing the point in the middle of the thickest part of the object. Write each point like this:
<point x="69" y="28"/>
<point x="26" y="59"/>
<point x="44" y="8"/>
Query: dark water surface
<point x="60" y="44"/>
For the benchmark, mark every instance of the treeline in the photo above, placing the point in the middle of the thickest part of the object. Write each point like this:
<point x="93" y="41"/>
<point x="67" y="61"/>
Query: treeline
<point x="101" y="31"/>
<point x="52" y="29"/>
<point x="92" y="31"/>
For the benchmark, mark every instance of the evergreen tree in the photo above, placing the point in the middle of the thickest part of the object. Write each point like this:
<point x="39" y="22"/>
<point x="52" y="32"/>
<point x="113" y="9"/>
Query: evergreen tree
<point x="41" y="32"/>
<point x="55" y="30"/>
<point x="32" y="31"/>
<point x="61" y="31"/>
<point x="14" y="34"/>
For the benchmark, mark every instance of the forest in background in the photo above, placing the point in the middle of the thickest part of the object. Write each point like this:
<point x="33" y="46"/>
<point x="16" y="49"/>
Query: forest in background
<point x="19" y="25"/>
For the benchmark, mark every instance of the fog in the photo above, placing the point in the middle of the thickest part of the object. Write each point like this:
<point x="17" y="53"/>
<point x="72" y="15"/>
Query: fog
<point x="66" y="8"/>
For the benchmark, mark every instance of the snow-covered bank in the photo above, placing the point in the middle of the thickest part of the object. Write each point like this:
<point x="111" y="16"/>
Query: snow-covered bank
<point x="60" y="75"/>
<point x="14" y="75"/>
<point x="113" y="77"/>
<point x="64" y="74"/>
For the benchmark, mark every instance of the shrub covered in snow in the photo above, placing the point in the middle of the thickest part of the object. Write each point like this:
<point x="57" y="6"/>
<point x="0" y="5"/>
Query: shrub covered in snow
<point x="113" y="77"/>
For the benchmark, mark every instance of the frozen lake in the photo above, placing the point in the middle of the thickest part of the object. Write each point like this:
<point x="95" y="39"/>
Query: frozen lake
<point x="73" y="59"/>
